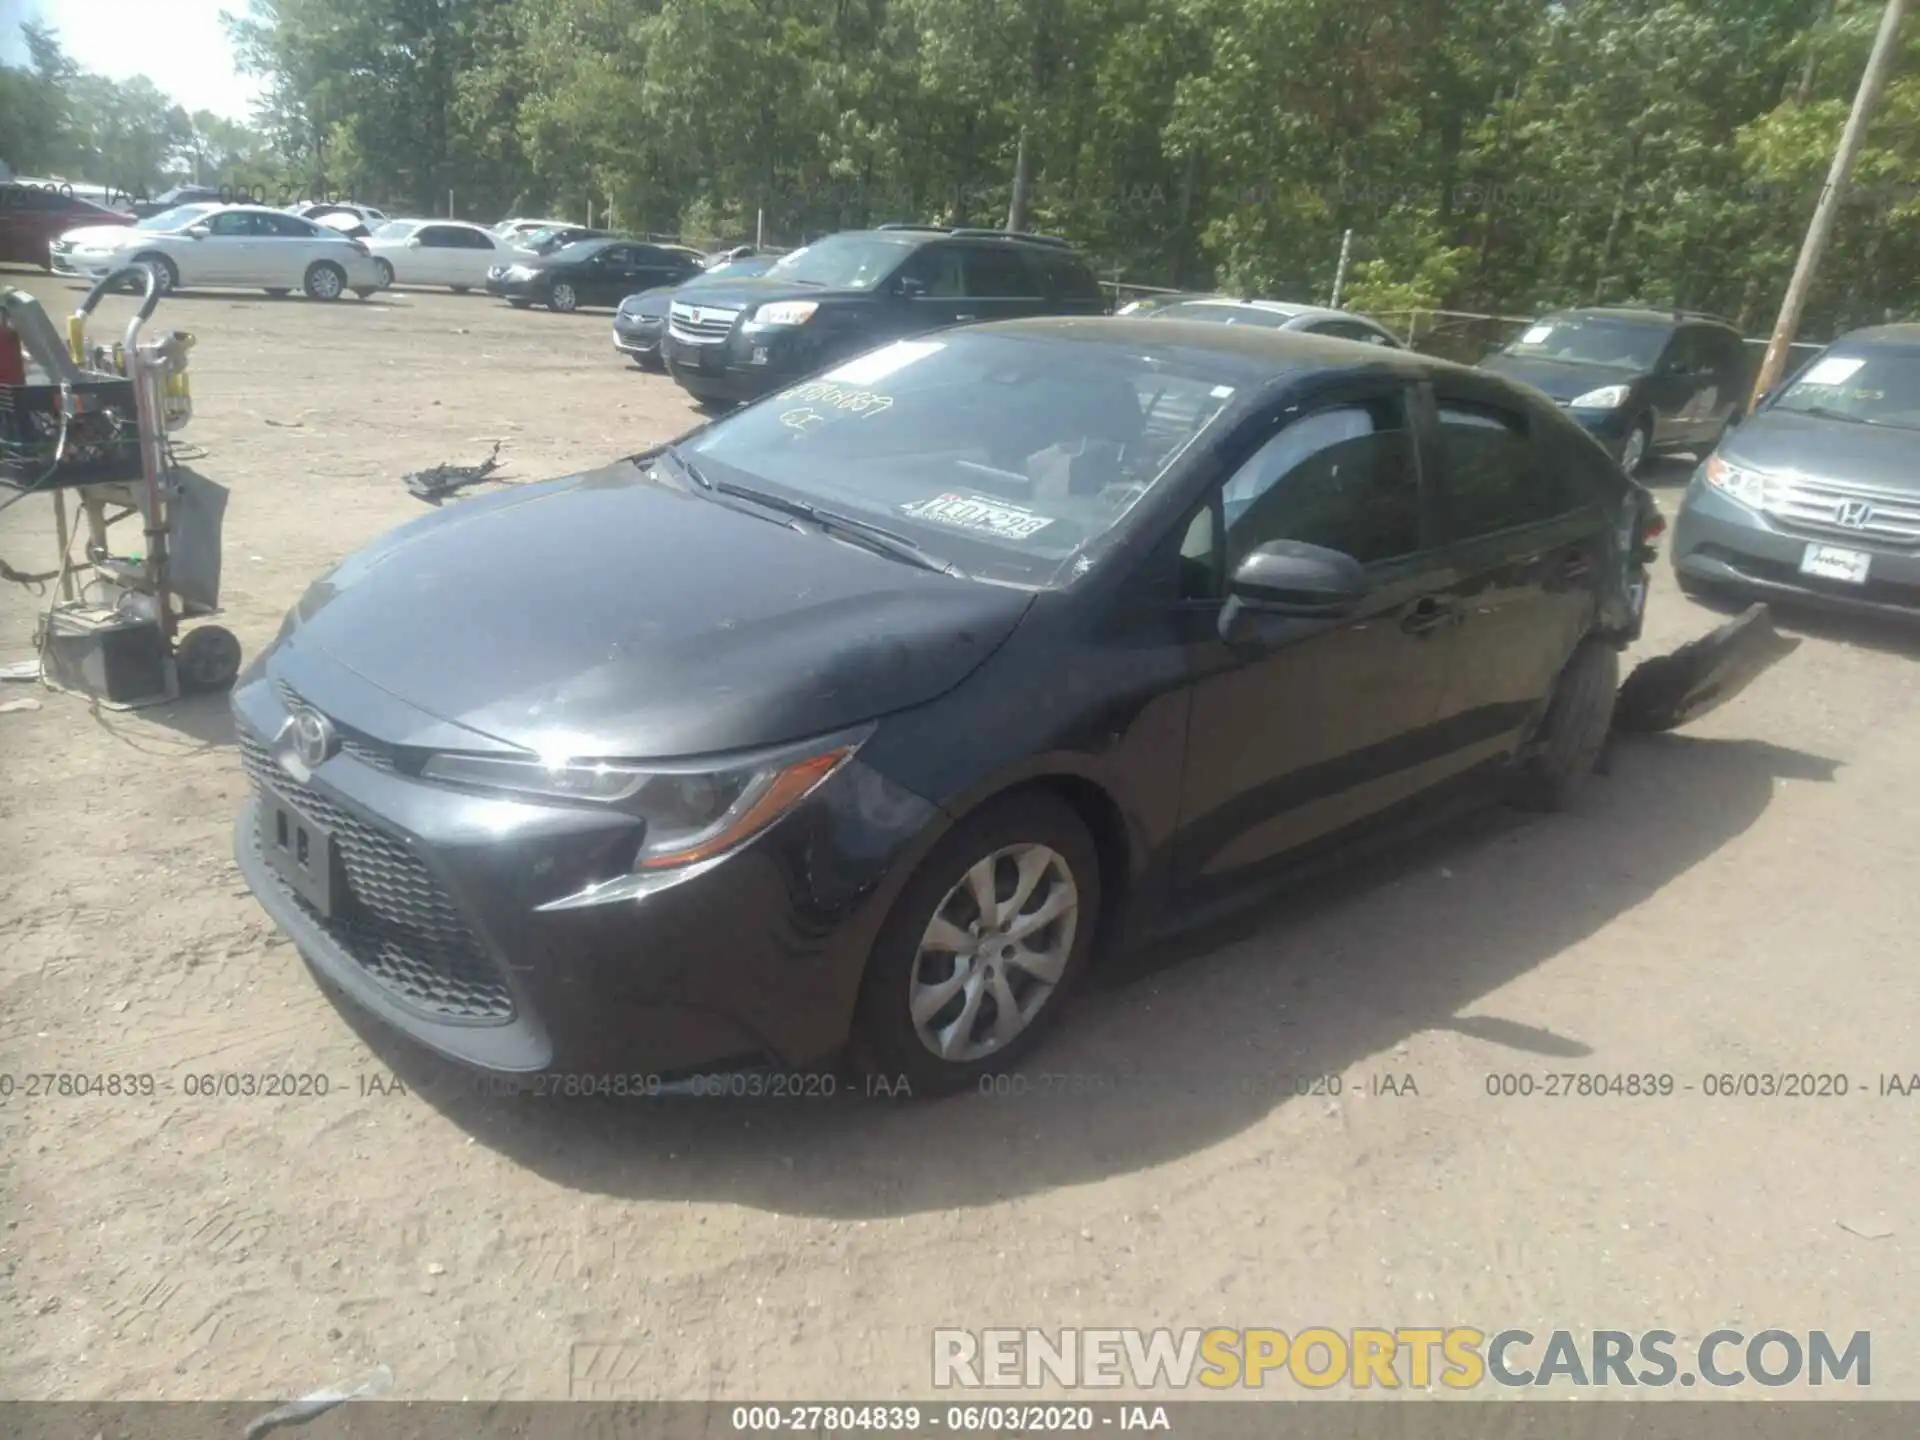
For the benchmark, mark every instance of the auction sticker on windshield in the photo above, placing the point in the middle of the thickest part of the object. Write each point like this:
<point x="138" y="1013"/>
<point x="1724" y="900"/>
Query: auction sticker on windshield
<point x="981" y="516"/>
<point x="885" y="361"/>
<point x="1832" y="371"/>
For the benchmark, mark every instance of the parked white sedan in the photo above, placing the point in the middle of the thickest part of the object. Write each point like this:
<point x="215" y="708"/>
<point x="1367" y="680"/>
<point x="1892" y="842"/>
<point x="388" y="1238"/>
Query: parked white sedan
<point x="248" y="246"/>
<point x="436" y="252"/>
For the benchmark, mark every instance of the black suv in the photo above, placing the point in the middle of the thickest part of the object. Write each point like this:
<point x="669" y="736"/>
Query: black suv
<point x="1643" y="381"/>
<point x="861" y="288"/>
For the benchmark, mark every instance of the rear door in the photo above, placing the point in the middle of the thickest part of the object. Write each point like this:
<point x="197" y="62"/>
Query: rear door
<point x="999" y="283"/>
<point x="609" y="276"/>
<point x="1681" y="382"/>
<point x="1525" y="545"/>
<point x="287" y="245"/>
<point x="1301" y="728"/>
<point x="434" y="261"/>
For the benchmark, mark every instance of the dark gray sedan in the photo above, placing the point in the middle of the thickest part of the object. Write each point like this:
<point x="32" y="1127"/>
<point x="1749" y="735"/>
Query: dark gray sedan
<point x="1817" y="497"/>
<point x="641" y="318"/>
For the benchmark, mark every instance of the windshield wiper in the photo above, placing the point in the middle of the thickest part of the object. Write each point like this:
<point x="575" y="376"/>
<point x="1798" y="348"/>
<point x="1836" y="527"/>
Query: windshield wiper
<point x="1827" y="413"/>
<point x="686" y="466"/>
<point x="864" y="532"/>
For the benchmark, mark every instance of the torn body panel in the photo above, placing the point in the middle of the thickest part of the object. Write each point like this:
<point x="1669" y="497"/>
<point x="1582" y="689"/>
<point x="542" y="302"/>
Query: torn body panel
<point x="1671" y="690"/>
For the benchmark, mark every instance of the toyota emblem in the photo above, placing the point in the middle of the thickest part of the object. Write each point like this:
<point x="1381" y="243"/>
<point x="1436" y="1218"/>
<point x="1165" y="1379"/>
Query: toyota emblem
<point x="1854" y="514"/>
<point x="313" y="736"/>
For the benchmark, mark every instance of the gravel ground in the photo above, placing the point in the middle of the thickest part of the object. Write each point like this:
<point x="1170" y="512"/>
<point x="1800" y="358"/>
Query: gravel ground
<point x="1733" y="899"/>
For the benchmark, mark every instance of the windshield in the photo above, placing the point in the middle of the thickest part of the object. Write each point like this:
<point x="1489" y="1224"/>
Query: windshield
<point x="841" y="262"/>
<point x="579" y="250"/>
<point x="395" y="229"/>
<point x="1003" y="454"/>
<point x="1877" y="387"/>
<point x="1222" y="314"/>
<point x="1593" y="340"/>
<point x="736" y="270"/>
<point x="177" y="218"/>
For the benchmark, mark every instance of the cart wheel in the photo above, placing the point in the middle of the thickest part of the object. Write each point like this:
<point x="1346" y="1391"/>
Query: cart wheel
<point x="207" y="658"/>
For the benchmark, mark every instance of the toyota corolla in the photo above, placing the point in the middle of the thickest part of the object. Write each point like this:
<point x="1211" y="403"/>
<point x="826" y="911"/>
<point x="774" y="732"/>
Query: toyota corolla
<point x="860" y="720"/>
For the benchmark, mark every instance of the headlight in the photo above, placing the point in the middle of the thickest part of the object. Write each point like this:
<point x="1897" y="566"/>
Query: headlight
<point x="783" y="312"/>
<point x="1607" y="397"/>
<point x="519" y="272"/>
<point x="1749" y="487"/>
<point x="691" y="814"/>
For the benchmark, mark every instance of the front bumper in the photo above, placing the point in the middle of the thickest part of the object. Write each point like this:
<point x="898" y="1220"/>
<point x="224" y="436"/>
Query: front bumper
<point x="507" y="289"/>
<point x="642" y="341"/>
<point x="1718" y="541"/>
<point x="743" y="366"/>
<point x="437" y="929"/>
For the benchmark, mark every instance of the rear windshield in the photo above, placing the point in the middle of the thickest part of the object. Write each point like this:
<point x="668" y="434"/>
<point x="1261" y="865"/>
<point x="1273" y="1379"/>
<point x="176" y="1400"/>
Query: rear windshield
<point x="1003" y="454"/>
<point x="1600" y="340"/>
<point x="1223" y="314"/>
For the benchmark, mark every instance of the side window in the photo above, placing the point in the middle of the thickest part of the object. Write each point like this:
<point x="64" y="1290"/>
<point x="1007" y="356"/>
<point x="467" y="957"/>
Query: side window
<point x="937" y="268"/>
<point x="1494" y="478"/>
<point x="439" y="237"/>
<point x="617" y="257"/>
<point x="1687" y="353"/>
<point x="996" y="273"/>
<point x="231" y="223"/>
<point x="1343" y="477"/>
<point x="290" y="227"/>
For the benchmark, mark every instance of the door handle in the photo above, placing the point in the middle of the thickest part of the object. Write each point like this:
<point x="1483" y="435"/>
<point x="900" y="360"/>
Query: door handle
<point x="1426" y="615"/>
<point x="966" y="317"/>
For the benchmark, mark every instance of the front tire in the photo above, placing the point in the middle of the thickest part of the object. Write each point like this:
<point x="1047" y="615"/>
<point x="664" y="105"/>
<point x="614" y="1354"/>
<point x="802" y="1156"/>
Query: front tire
<point x="1573" y="732"/>
<point x="562" y="298"/>
<point x="983" y="947"/>
<point x="324" y="281"/>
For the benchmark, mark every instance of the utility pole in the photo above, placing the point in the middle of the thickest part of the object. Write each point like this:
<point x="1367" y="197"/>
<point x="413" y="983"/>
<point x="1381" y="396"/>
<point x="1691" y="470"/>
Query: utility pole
<point x="1879" y="66"/>
<point x="1340" y="272"/>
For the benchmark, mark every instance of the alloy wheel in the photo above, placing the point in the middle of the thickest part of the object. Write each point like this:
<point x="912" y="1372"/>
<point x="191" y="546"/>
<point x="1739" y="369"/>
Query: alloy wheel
<point x="563" y="298"/>
<point x="993" y="952"/>
<point x="1634" y="451"/>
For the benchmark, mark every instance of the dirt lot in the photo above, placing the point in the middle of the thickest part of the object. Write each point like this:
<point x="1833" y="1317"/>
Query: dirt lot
<point x="1737" y="898"/>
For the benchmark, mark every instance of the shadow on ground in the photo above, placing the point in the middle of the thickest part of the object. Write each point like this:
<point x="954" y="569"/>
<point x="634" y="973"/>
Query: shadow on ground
<point x="1203" y="1039"/>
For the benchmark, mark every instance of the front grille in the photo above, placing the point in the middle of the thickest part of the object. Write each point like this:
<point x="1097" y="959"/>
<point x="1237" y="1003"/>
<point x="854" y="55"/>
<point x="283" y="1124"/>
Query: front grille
<point x="1891" y="517"/>
<point x="700" y="324"/>
<point x="397" y="921"/>
<point x="360" y="746"/>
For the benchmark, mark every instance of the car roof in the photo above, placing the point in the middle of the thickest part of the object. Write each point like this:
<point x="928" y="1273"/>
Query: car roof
<point x="1641" y="315"/>
<point x="1901" y="336"/>
<point x="1275" y="352"/>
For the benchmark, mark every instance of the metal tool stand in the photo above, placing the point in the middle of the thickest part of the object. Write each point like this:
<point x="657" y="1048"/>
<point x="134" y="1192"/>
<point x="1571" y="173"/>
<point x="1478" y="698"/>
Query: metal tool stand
<point x="114" y="476"/>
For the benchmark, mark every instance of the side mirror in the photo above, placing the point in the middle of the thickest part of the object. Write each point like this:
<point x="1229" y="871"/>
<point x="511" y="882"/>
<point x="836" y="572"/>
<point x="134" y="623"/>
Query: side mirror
<point x="1288" y="577"/>
<point x="198" y="232"/>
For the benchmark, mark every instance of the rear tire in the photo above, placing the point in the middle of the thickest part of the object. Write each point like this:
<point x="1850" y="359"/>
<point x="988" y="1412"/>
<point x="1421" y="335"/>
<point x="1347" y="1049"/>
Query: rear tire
<point x="383" y="272"/>
<point x="324" y="281"/>
<point x="562" y="298"/>
<point x="1574" y="730"/>
<point x="1041" y="856"/>
<point x="168" y="276"/>
<point x="1636" y="448"/>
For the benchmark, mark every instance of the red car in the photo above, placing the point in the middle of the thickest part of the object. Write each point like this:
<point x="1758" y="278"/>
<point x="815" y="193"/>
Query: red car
<point x="33" y="216"/>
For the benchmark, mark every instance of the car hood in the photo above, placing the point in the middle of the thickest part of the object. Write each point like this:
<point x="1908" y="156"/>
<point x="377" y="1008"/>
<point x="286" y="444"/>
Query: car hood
<point x="98" y="234"/>
<point x="1556" y="378"/>
<point x="759" y="290"/>
<point x="1783" y="442"/>
<point x="605" y="615"/>
<point x="654" y="302"/>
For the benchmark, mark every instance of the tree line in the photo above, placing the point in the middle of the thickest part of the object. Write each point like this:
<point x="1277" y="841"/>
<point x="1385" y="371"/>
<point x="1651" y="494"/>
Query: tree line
<point x="1488" y="155"/>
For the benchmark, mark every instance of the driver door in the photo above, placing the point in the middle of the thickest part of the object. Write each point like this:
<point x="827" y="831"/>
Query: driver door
<point x="227" y="253"/>
<point x="1301" y="728"/>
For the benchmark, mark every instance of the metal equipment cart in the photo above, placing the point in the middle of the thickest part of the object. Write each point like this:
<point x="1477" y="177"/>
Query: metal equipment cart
<point x="97" y="430"/>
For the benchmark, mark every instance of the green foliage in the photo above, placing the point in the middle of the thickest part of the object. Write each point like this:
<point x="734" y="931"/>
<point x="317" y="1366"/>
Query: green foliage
<point x="1489" y="155"/>
<point x="56" y="119"/>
